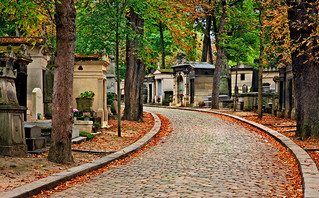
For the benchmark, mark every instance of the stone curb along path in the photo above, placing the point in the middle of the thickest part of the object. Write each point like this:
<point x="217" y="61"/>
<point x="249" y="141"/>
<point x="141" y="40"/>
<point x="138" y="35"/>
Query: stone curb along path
<point x="52" y="181"/>
<point x="308" y="168"/>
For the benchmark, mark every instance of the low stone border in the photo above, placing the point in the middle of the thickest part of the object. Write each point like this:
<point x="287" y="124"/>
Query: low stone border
<point x="52" y="181"/>
<point x="308" y="168"/>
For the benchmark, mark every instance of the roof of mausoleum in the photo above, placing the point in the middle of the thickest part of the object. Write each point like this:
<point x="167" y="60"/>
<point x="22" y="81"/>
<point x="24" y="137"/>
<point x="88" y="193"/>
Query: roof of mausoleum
<point x="242" y="67"/>
<point x="89" y="56"/>
<point x="93" y="57"/>
<point x="12" y="40"/>
<point x="197" y="65"/>
<point x="165" y="70"/>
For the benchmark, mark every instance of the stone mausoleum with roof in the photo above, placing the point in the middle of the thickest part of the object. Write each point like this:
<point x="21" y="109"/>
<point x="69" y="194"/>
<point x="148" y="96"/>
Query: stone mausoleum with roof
<point x="193" y="81"/>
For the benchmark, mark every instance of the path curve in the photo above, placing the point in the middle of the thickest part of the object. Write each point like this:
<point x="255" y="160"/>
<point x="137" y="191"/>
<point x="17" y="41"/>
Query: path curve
<point x="205" y="156"/>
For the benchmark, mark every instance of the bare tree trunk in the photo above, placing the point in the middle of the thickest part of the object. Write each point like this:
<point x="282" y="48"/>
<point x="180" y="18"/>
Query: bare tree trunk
<point x="260" y="63"/>
<point x="210" y="52"/>
<point x="118" y="80"/>
<point x="62" y="114"/>
<point x="134" y="75"/>
<point x="305" y="68"/>
<point x="219" y="59"/>
<point x="236" y="81"/>
<point x="206" y="41"/>
<point x="162" y="44"/>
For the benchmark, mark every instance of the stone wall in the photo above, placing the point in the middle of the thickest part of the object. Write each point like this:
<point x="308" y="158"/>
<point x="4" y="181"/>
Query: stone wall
<point x="203" y="87"/>
<point x="248" y="80"/>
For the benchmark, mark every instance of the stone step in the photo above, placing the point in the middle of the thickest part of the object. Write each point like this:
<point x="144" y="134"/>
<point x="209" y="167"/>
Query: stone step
<point x="78" y="140"/>
<point x="39" y="151"/>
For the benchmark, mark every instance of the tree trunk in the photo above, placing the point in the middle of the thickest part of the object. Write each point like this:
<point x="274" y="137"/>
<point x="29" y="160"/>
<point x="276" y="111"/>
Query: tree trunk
<point x="206" y="41"/>
<point x="162" y="44"/>
<point x="134" y="75"/>
<point x="219" y="58"/>
<point x="210" y="52"/>
<point x="118" y="80"/>
<point x="236" y="81"/>
<point x="305" y="68"/>
<point x="62" y="114"/>
<point x="260" y="63"/>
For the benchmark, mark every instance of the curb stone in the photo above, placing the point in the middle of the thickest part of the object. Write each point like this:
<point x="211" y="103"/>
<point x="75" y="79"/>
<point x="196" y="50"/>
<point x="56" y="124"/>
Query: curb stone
<point x="52" y="181"/>
<point x="307" y="167"/>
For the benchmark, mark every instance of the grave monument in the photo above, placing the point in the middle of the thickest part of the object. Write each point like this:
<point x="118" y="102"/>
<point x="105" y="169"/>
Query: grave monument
<point x="12" y="135"/>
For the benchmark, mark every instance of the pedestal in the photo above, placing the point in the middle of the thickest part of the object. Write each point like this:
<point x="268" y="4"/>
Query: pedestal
<point x="12" y="136"/>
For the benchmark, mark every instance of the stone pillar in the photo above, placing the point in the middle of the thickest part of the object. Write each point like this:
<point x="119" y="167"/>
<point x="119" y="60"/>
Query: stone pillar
<point x="187" y="91"/>
<point x="105" y="121"/>
<point x="12" y="135"/>
<point x="100" y="102"/>
<point x="175" y="91"/>
<point x="156" y="90"/>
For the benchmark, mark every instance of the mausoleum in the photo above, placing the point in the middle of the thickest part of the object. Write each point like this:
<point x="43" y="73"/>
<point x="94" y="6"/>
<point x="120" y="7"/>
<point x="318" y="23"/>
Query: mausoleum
<point x="90" y="74"/>
<point x="34" y="75"/>
<point x="193" y="81"/>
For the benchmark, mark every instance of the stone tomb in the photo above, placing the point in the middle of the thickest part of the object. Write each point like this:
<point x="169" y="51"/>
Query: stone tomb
<point x="34" y="139"/>
<point x="33" y="76"/>
<point x="12" y="136"/>
<point x="193" y="81"/>
<point x="90" y="74"/>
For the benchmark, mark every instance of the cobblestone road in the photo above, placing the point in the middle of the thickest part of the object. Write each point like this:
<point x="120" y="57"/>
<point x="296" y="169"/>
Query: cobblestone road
<point x="205" y="156"/>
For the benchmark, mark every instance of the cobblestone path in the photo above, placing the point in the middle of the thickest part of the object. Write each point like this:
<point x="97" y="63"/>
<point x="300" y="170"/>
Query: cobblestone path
<point x="205" y="156"/>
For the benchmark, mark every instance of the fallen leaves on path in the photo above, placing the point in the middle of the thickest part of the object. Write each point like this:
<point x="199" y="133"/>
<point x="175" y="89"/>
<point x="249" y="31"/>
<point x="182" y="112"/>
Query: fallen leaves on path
<point x="293" y="186"/>
<point x="284" y="126"/>
<point x="164" y="131"/>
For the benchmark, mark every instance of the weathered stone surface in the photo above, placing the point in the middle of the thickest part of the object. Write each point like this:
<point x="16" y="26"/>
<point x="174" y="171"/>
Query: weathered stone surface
<point x="12" y="137"/>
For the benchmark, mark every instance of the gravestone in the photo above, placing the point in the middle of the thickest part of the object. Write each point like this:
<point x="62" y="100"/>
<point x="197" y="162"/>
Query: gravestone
<point x="37" y="104"/>
<point x="244" y="89"/>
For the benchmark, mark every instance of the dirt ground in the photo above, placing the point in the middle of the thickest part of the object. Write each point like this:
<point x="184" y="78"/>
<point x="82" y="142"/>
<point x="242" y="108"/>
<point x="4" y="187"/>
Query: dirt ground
<point x="17" y="171"/>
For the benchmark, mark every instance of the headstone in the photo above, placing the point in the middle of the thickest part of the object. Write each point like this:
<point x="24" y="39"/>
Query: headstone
<point x="75" y="132"/>
<point x="37" y="104"/>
